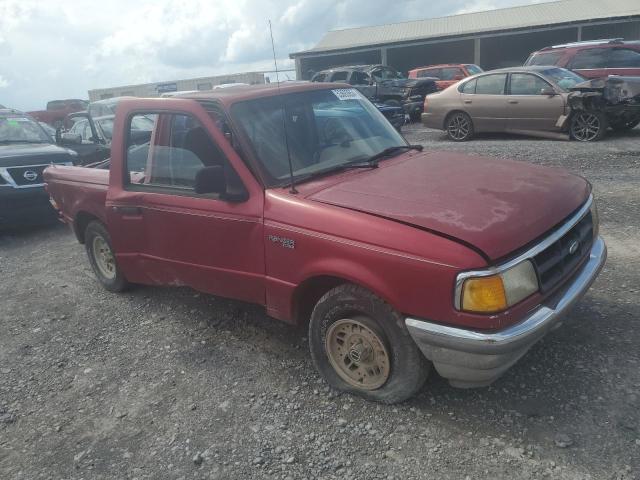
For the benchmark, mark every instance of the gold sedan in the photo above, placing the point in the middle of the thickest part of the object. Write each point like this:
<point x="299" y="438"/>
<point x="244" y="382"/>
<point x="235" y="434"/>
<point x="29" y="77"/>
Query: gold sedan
<point x="524" y="100"/>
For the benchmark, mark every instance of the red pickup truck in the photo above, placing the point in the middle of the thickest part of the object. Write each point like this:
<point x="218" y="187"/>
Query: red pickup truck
<point x="57" y="111"/>
<point x="304" y="199"/>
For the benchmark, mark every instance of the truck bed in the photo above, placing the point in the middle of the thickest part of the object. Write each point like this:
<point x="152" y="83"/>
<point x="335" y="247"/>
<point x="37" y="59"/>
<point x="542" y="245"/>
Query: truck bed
<point x="77" y="189"/>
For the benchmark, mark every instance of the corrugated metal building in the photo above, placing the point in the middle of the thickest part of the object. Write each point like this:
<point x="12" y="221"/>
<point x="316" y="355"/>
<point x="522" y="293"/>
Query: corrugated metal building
<point x="492" y="39"/>
<point x="156" y="89"/>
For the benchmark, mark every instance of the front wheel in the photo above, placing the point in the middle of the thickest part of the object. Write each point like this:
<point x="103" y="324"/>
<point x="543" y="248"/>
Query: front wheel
<point x="459" y="127"/>
<point x="103" y="261"/>
<point x="360" y="345"/>
<point x="587" y="126"/>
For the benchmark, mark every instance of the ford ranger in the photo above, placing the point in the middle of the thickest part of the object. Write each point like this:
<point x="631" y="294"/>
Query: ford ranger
<point x="304" y="199"/>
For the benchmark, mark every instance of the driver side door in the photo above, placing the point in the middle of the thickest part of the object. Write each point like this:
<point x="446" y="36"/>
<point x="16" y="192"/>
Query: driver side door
<point x="528" y="108"/>
<point x="166" y="233"/>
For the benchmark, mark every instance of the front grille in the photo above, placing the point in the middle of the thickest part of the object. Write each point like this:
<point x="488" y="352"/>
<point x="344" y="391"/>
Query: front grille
<point x="27" y="175"/>
<point x="557" y="261"/>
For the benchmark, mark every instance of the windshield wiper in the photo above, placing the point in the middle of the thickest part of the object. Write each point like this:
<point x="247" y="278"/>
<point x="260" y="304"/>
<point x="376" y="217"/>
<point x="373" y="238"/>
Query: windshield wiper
<point x="373" y="160"/>
<point x="18" y="141"/>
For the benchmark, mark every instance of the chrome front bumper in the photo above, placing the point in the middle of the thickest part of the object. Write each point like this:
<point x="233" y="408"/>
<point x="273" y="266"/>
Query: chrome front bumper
<point x="469" y="358"/>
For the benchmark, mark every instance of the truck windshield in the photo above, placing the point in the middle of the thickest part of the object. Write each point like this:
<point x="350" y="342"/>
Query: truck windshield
<point x="17" y="129"/>
<point x="325" y="129"/>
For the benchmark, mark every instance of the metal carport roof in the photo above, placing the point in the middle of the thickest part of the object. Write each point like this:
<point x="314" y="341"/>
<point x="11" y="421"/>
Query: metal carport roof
<point x="536" y="15"/>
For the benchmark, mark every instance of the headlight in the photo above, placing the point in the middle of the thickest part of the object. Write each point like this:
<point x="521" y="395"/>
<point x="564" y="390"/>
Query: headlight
<point x="494" y="293"/>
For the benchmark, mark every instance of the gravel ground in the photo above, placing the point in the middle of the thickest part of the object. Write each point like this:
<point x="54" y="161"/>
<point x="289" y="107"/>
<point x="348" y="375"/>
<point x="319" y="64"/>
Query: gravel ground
<point x="169" y="383"/>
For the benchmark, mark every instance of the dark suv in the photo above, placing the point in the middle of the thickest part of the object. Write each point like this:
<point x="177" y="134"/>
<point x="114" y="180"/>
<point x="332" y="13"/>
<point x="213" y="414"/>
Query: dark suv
<point x="383" y="84"/>
<point x="593" y="58"/>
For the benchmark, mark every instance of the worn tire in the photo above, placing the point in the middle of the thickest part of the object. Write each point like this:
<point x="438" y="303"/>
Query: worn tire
<point x="587" y="126"/>
<point x="408" y="367"/>
<point x="459" y="127"/>
<point x="96" y="232"/>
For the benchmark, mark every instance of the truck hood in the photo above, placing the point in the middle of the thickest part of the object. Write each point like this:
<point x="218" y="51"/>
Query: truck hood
<point x="493" y="205"/>
<point x="21" y="154"/>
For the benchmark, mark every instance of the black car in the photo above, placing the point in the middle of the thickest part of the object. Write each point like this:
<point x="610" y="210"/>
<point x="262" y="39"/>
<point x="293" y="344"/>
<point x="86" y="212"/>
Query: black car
<point x="90" y="136"/>
<point x="25" y="151"/>
<point x="383" y="84"/>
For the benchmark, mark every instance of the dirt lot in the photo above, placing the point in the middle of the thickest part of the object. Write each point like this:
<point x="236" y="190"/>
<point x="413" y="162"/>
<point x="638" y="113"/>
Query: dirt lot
<point x="169" y="383"/>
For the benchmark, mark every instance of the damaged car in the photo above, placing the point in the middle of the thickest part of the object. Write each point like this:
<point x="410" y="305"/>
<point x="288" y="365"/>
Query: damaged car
<point x="382" y="84"/>
<point x="534" y="100"/>
<point x="604" y="102"/>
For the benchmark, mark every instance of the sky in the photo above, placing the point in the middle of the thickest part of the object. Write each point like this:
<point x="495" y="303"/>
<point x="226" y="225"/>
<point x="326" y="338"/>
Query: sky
<point x="55" y="50"/>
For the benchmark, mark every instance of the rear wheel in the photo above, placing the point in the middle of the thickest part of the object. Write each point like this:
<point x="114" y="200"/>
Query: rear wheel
<point x="587" y="126"/>
<point x="360" y="345"/>
<point x="459" y="127"/>
<point x="103" y="261"/>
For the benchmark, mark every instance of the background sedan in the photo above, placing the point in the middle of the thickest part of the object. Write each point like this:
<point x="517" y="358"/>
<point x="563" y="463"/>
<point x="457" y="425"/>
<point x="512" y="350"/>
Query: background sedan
<point x="517" y="100"/>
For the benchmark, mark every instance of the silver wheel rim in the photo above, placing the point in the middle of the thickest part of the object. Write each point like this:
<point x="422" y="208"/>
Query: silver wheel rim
<point x="459" y="127"/>
<point x="357" y="354"/>
<point x="104" y="258"/>
<point x="585" y="127"/>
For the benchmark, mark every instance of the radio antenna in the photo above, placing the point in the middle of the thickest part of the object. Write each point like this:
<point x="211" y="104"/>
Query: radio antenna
<point x="284" y="114"/>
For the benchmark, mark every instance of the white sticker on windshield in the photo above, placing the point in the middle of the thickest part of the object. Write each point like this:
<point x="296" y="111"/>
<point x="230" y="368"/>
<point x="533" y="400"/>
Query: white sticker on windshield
<point x="20" y="119"/>
<point x="346" y="93"/>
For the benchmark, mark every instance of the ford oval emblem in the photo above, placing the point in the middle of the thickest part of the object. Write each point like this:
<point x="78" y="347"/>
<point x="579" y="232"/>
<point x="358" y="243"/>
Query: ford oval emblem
<point x="573" y="248"/>
<point x="30" y="175"/>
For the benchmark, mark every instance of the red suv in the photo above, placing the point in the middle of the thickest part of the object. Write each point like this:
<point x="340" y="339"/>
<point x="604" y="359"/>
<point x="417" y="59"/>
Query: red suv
<point x="593" y="58"/>
<point x="447" y="74"/>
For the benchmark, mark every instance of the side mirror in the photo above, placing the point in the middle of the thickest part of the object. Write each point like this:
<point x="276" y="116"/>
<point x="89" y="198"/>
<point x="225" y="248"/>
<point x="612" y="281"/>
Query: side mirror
<point x="548" y="91"/>
<point x="68" y="138"/>
<point x="210" y="180"/>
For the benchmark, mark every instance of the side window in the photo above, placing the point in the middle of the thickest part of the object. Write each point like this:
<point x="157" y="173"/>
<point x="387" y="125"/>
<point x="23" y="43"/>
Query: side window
<point x="468" y="87"/>
<point x="339" y="77"/>
<point x="546" y="58"/>
<point x="590" y="58"/>
<point x="450" y="73"/>
<point x="624" y="58"/>
<point x="78" y="127"/>
<point x="527" y="84"/>
<point x="491" y="84"/>
<point x="171" y="154"/>
<point x="319" y="77"/>
<point x="434" y="73"/>
<point x="86" y="132"/>
<point x="359" y="78"/>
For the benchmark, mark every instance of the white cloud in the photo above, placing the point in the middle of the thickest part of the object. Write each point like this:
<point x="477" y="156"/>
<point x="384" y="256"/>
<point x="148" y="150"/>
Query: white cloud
<point x="61" y="49"/>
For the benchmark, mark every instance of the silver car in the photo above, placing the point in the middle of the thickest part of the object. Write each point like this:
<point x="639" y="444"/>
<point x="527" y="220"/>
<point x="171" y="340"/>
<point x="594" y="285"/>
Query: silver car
<point x="521" y="100"/>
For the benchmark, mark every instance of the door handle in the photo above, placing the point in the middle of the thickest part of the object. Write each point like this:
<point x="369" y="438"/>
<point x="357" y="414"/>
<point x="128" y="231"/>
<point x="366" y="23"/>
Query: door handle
<point x="513" y="102"/>
<point x="468" y="102"/>
<point x="127" y="210"/>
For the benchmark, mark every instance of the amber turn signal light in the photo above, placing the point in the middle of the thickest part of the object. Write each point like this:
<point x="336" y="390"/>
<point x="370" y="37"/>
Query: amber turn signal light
<point x="484" y="294"/>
